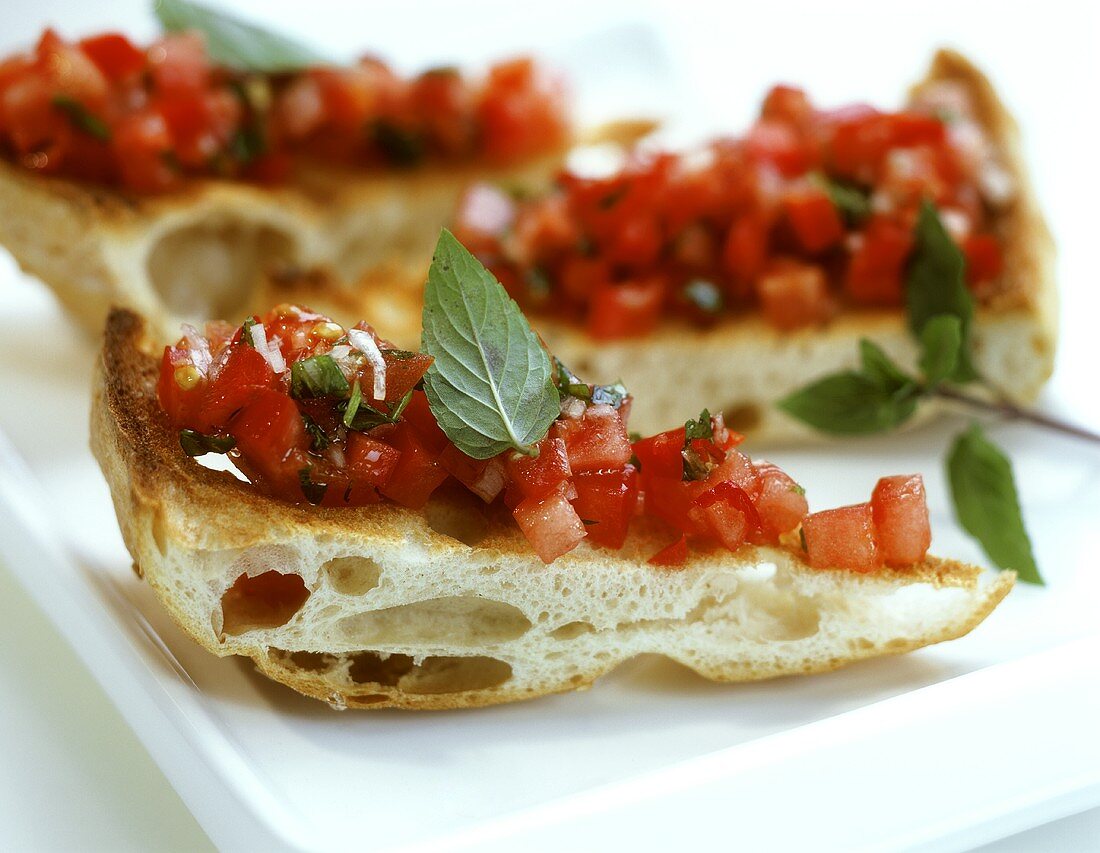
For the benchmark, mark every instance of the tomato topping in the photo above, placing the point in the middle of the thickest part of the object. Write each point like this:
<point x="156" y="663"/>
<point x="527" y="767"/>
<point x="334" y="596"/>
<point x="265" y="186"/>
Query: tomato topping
<point x="628" y="309"/>
<point x="550" y="523"/>
<point x="793" y="295"/>
<point x="842" y="538"/>
<point x="984" y="261"/>
<point x="901" y="519"/>
<point x="878" y="263"/>
<point x="606" y="502"/>
<point x="295" y="421"/>
<point x="114" y="55"/>
<point x="814" y="219"/>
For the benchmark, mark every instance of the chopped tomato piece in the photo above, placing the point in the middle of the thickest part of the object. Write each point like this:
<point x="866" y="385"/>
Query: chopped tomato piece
<point x="178" y="65"/>
<point x="142" y="146"/>
<point x="674" y="554"/>
<point x="267" y="430"/>
<point x="180" y="394"/>
<point x="814" y="219"/>
<point x="661" y="454"/>
<point x="984" y="261"/>
<point x="520" y="111"/>
<point x="418" y="415"/>
<point x="369" y="461"/>
<point x="596" y="440"/>
<point x="728" y="513"/>
<point x="777" y="143"/>
<point x="842" y="538"/>
<point x="580" y="277"/>
<point x="550" y="524"/>
<point x="878" y="263"/>
<point x="486" y="478"/>
<point x="793" y="295"/>
<point x="245" y="374"/>
<point x="627" y="309"/>
<point x="746" y="248"/>
<point x="114" y="55"/>
<point x="539" y="475"/>
<point x="781" y="503"/>
<point x="417" y="473"/>
<point x="788" y="104"/>
<point x="606" y="502"/>
<point x="900" y="513"/>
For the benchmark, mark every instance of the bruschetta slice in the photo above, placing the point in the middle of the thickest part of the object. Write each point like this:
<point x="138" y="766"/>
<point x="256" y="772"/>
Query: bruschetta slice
<point x="360" y="556"/>
<point x="158" y="178"/>
<point x="733" y="275"/>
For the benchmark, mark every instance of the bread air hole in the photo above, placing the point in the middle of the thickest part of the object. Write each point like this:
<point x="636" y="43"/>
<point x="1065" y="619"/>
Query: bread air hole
<point x="463" y="521"/>
<point x="213" y="268"/>
<point x="268" y="600"/>
<point x="433" y="675"/>
<point x="454" y="621"/>
<point x="352" y="575"/>
<point x="572" y="630"/>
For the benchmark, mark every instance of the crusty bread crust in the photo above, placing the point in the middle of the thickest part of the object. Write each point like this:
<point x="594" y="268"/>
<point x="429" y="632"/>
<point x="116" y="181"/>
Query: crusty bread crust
<point x="447" y="607"/>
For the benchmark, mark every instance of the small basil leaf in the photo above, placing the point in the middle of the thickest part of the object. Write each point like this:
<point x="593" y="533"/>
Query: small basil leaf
<point x="878" y="367"/>
<point x="317" y="376"/>
<point x="246" y="332"/>
<point x="353" y="405"/>
<point x="81" y="119"/>
<point x="235" y="43"/>
<point x="851" y="403"/>
<point x="314" y="492"/>
<point x="194" y="443"/>
<point x="700" y="427"/>
<point x="935" y="285"/>
<point x="491" y="386"/>
<point x="941" y="344"/>
<point x="851" y="201"/>
<point x="986" y="503"/>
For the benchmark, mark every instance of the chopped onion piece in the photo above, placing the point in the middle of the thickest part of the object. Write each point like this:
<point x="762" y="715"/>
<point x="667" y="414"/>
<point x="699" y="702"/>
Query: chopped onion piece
<point x="340" y="352"/>
<point x="272" y="355"/>
<point x="200" y="347"/>
<point x="573" y="407"/>
<point x="364" y="342"/>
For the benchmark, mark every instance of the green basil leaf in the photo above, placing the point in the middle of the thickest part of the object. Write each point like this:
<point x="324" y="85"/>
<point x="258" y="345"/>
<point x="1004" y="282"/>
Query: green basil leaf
<point x="700" y="427"/>
<point x="363" y="417"/>
<point x="246" y="332"/>
<point x="851" y="201"/>
<point x="81" y="119"/>
<point x="491" y="386"/>
<point x="317" y="376"/>
<point x="318" y="440"/>
<point x="194" y="443"/>
<point x="935" y="285"/>
<point x="314" y="492"/>
<point x="851" y="403"/>
<point x="878" y="367"/>
<point x="235" y="43"/>
<point x="987" y="505"/>
<point x="941" y="345"/>
<point x="353" y="405"/>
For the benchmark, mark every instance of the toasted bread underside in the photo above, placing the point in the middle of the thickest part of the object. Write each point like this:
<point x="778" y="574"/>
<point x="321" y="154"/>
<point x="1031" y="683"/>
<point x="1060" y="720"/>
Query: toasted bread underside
<point x="447" y="607"/>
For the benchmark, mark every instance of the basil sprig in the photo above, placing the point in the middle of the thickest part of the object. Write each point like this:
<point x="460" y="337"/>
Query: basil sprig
<point x="491" y="386"/>
<point x="235" y="43"/>
<point x="880" y="395"/>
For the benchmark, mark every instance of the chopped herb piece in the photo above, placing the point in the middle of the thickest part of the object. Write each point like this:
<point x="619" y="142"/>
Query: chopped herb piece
<point x="802" y="538"/>
<point x="314" y="492"/>
<point x="700" y="427"/>
<point x="194" y="443"/>
<point x="246" y="332"/>
<point x="695" y="466"/>
<point x="363" y="417"/>
<point x="317" y="376"/>
<point x="400" y="354"/>
<point x="318" y="440"/>
<point x="850" y="200"/>
<point x="613" y="197"/>
<point x="353" y="405"/>
<point x="797" y="489"/>
<point x="81" y="119"/>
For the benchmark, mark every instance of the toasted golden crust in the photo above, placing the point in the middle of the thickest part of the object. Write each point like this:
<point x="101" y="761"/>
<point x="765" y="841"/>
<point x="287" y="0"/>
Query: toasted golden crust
<point x="192" y="531"/>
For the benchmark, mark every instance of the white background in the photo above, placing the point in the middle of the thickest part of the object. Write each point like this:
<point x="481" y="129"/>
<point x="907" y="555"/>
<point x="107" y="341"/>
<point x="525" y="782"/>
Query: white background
<point x="71" y="774"/>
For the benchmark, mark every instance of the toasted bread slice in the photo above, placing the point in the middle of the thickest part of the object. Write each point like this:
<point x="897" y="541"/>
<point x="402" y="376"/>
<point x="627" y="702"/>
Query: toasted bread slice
<point x="745" y="366"/>
<point x="448" y="607"/>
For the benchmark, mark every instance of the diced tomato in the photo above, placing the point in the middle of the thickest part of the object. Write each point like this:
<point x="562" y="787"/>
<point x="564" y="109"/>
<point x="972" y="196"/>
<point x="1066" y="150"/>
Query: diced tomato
<point x="183" y="404"/>
<point x="781" y="503"/>
<point x="746" y="248"/>
<point x="729" y="515"/>
<point x="597" y="440"/>
<point x="674" y="554"/>
<point x="539" y="475"/>
<point x="876" y="268"/>
<point x="142" y="146"/>
<point x="442" y="97"/>
<point x="550" y="524"/>
<point x="580" y="277"/>
<point x="267" y="430"/>
<point x="900" y="512"/>
<point x="778" y="143"/>
<point x="606" y="502"/>
<point x="418" y="415"/>
<point x="636" y="243"/>
<point x="793" y="294"/>
<point x="418" y="472"/>
<point x="545" y="228"/>
<point x="788" y="104"/>
<point x="984" y="261"/>
<point x="403" y="371"/>
<point x="860" y="144"/>
<point x="520" y="111"/>
<point x="178" y="65"/>
<point x="814" y="219"/>
<point x="70" y="72"/>
<point x="661" y="454"/>
<point x="627" y="309"/>
<point x="369" y="461"/>
<point x="114" y="55"/>
<point x="486" y="478"/>
<point x="842" y="538"/>
<point x="244" y="376"/>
